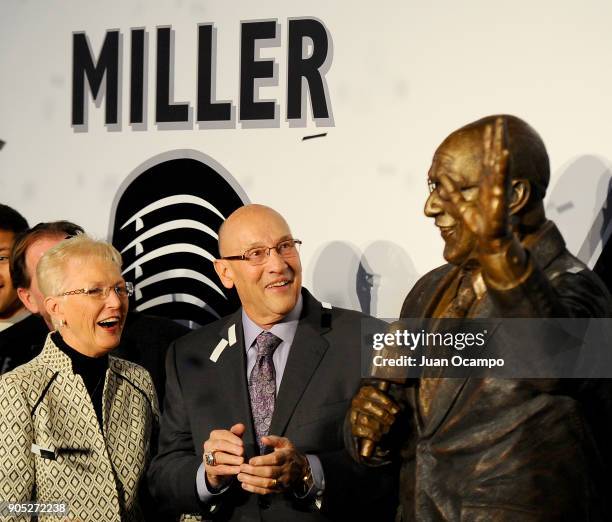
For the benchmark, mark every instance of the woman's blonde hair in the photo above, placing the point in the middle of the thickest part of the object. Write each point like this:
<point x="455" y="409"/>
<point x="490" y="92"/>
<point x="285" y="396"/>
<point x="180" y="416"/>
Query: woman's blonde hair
<point x="52" y="265"/>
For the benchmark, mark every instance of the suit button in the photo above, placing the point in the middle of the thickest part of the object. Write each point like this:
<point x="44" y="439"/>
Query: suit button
<point x="264" y="503"/>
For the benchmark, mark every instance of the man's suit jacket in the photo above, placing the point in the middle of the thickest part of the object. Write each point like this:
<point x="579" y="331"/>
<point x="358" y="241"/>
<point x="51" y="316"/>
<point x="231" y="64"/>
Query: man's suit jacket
<point x="98" y="473"/>
<point x="145" y="341"/>
<point x="320" y="378"/>
<point x="496" y="449"/>
<point x="22" y="342"/>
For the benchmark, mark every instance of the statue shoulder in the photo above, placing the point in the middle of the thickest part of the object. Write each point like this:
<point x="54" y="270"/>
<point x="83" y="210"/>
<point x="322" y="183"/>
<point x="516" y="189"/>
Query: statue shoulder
<point x="422" y="291"/>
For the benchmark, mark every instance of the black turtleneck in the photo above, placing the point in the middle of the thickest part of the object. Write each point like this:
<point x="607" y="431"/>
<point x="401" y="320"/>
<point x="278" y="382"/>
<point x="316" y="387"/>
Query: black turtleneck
<point x="91" y="369"/>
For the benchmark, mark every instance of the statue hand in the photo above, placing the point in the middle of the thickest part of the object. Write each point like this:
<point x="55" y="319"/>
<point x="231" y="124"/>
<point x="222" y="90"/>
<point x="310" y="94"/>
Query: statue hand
<point x="372" y="413"/>
<point x="487" y="216"/>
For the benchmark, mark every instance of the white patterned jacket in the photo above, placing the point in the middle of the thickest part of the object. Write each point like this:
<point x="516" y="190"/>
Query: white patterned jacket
<point x="51" y="445"/>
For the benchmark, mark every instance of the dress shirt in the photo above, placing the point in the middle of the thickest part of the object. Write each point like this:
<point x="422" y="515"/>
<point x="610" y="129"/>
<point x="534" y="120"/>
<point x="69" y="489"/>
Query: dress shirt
<point x="284" y="330"/>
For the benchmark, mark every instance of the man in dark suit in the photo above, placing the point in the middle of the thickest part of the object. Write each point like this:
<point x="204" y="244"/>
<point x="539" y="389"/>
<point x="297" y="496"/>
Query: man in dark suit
<point x="493" y="449"/>
<point x="15" y="320"/>
<point x="255" y="402"/>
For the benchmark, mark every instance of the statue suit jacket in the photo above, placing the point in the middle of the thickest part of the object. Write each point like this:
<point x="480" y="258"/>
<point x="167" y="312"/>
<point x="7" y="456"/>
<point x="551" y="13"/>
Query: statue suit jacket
<point x="51" y="445"/>
<point x="320" y="378"/>
<point x="502" y="449"/>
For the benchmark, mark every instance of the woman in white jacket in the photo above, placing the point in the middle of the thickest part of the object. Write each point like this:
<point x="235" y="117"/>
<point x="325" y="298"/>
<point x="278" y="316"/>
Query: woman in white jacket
<point x="76" y="423"/>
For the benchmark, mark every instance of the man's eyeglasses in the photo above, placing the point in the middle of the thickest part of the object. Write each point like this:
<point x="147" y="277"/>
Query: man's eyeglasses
<point x="258" y="255"/>
<point x="123" y="291"/>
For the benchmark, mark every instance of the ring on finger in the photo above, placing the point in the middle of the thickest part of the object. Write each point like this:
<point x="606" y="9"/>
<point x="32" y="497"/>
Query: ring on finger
<point x="274" y="483"/>
<point x="209" y="458"/>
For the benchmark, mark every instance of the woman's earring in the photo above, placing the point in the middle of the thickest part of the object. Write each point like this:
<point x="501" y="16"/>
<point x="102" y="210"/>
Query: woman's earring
<point x="62" y="323"/>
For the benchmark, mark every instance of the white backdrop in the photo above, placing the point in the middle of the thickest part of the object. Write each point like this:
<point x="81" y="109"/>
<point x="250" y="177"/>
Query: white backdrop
<point x="403" y="75"/>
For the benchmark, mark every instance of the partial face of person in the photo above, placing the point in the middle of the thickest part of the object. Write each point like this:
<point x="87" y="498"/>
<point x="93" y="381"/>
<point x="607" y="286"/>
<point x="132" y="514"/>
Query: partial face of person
<point x="9" y="302"/>
<point x="269" y="291"/>
<point x="92" y="322"/>
<point x="459" y="157"/>
<point x="32" y="297"/>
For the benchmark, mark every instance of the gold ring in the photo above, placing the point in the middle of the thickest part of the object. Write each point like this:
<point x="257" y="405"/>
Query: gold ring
<point x="274" y="483"/>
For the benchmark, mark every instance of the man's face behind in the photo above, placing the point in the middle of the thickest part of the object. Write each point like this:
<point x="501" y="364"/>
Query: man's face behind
<point x="32" y="297"/>
<point x="268" y="292"/>
<point x="9" y="303"/>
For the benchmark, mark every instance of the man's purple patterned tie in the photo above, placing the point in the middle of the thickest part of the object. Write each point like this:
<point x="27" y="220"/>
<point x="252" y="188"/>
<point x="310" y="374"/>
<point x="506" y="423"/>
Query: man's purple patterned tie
<point x="262" y="385"/>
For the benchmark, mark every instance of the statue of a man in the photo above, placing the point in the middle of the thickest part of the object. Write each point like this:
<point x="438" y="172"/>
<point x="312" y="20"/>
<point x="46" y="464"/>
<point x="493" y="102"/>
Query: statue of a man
<point x="492" y="449"/>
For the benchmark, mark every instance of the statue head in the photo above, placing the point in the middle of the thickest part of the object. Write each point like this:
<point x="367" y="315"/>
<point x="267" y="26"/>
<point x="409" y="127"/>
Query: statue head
<point x="460" y="156"/>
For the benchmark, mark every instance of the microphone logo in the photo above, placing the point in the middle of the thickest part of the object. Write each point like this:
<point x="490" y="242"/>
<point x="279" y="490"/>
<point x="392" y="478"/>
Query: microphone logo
<point x="164" y="222"/>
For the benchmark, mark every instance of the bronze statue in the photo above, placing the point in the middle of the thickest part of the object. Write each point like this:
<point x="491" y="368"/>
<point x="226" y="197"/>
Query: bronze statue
<point x="493" y="449"/>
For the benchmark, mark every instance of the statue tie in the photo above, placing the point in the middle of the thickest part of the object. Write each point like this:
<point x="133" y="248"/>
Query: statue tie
<point x="458" y="308"/>
<point x="463" y="301"/>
